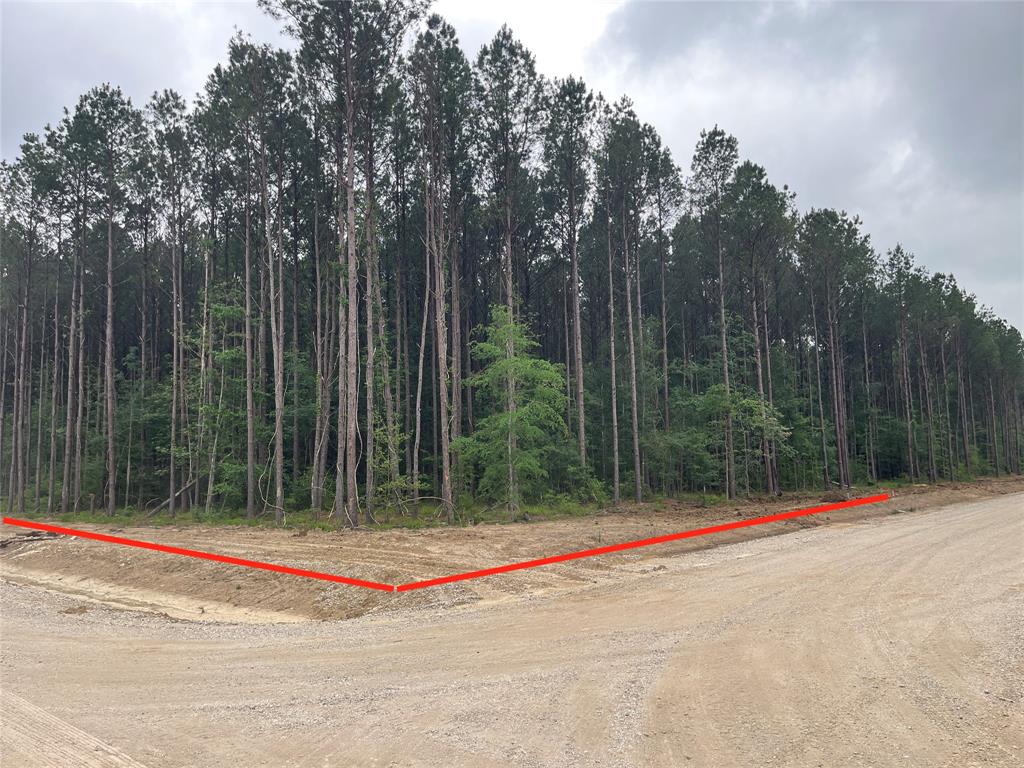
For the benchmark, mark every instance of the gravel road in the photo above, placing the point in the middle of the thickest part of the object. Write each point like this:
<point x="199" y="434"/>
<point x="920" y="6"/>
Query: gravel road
<point x="890" y="641"/>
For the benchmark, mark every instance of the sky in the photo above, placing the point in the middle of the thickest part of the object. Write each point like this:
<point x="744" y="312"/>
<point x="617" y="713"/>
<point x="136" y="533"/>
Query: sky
<point x="910" y="115"/>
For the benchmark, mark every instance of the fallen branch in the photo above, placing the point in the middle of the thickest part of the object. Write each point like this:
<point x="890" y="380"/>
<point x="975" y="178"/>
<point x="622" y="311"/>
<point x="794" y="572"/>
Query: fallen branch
<point x="177" y="494"/>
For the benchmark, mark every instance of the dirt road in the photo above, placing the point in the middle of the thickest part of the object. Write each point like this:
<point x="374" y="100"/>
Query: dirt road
<point x="890" y="641"/>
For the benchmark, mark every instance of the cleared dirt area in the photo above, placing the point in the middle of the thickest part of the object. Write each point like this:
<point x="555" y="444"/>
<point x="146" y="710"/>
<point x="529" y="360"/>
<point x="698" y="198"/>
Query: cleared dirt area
<point x="867" y="638"/>
<point x="204" y="591"/>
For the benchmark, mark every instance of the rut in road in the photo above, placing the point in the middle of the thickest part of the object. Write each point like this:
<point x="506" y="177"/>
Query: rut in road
<point x="35" y="738"/>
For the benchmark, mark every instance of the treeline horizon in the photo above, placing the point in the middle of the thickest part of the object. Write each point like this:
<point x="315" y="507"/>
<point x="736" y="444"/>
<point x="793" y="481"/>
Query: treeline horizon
<point x="370" y="276"/>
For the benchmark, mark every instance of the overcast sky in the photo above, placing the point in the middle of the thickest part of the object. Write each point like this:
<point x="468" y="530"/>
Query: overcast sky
<point x="910" y="115"/>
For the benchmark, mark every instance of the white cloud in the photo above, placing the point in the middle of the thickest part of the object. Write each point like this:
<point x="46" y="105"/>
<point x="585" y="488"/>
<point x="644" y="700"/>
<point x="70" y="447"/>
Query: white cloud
<point x="558" y="32"/>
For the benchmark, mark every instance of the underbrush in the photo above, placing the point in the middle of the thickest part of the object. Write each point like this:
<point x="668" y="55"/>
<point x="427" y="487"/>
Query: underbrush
<point x="469" y="512"/>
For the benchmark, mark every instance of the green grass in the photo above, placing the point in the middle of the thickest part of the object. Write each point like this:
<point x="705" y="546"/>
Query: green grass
<point x="468" y="512"/>
<point x="387" y="518"/>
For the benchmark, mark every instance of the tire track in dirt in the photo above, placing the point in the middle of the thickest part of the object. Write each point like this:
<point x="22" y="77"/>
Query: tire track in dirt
<point x="31" y="737"/>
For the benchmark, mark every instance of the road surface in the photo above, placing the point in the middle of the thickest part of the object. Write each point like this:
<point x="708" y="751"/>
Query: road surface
<point x="893" y="641"/>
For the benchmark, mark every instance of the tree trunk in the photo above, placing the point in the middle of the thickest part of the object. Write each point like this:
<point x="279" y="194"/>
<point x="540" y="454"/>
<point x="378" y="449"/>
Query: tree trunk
<point x="993" y="438"/>
<point x="664" y="331"/>
<point x="962" y="406"/>
<point x="3" y="390"/>
<point x="19" y="454"/>
<point x="769" y="480"/>
<point x="869" y="401"/>
<point x="80" y="399"/>
<point x="371" y="346"/>
<point x="436" y="237"/>
<point x="933" y="474"/>
<point x="730" y="466"/>
<point x="250" y="383"/>
<point x="39" y="412"/>
<point x="611" y="343"/>
<point x="69" y="424"/>
<point x="950" y="454"/>
<point x="838" y="410"/>
<point x="274" y="273"/>
<point x="577" y="338"/>
<point x="821" y="407"/>
<point x="773" y="454"/>
<point x="342" y="431"/>
<point x="907" y="398"/>
<point x="54" y="383"/>
<point x="175" y="360"/>
<point x="638" y="477"/>
<point x="352" y="330"/>
<point x="295" y="328"/>
<point x="419" y="385"/>
<point x="108" y="363"/>
<point x="455" y="257"/>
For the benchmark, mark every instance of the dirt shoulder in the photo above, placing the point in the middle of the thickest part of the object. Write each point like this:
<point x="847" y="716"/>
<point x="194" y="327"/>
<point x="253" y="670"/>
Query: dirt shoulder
<point x="185" y="588"/>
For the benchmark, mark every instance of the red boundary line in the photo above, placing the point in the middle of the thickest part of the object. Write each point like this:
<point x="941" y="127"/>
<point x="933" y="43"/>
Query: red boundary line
<point x="642" y="542"/>
<point x="201" y="555"/>
<point x="458" y="576"/>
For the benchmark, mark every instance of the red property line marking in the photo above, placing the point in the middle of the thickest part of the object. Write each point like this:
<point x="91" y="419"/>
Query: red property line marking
<point x="200" y="555"/>
<point x="642" y="542"/>
<point x="458" y="576"/>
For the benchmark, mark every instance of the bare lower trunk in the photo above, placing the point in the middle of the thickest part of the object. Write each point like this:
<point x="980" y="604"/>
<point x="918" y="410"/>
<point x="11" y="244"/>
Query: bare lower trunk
<point x="371" y="345"/>
<point x="65" y="485"/>
<point x="250" y="405"/>
<point x="950" y="451"/>
<point x="962" y="407"/>
<point x="577" y="337"/>
<point x="933" y="474"/>
<point x="316" y="485"/>
<point x="39" y="420"/>
<point x="419" y="387"/>
<point x="342" y="430"/>
<point x="80" y="399"/>
<point x="771" y="392"/>
<point x="664" y="344"/>
<point x="456" y="352"/>
<point x="22" y="387"/>
<point x="730" y="466"/>
<point x="3" y="390"/>
<point x="638" y="477"/>
<point x="821" y="407"/>
<point x="908" y="402"/>
<point x="175" y="371"/>
<point x="54" y="383"/>
<point x="273" y="265"/>
<point x="108" y="366"/>
<point x="993" y="438"/>
<point x="869" y="400"/>
<point x="838" y="408"/>
<point x="437" y="234"/>
<point x="16" y="502"/>
<point x="611" y="355"/>
<point x="352" y="330"/>
<point x="769" y="479"/>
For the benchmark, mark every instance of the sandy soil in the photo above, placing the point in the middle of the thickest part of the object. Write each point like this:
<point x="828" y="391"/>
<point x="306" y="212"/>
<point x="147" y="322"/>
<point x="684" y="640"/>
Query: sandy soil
<point x="184" y="588"/>
<point x="870" y="638"/>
